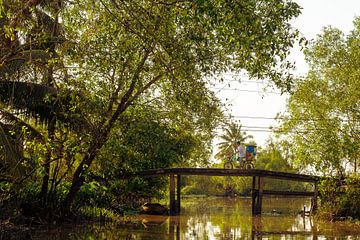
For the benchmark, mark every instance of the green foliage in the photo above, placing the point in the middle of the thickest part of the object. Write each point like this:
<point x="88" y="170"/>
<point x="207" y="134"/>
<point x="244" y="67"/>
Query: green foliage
<point x="6" y="195"/>
<point x="139" y="143"/>
<point x="22" y="203"/>
<point x="322" y="119"/>
<point x="192" y="190"/>
<point x="340" y="198"/>
<point x="91" y="213"/>
<point x="273" y="158"/>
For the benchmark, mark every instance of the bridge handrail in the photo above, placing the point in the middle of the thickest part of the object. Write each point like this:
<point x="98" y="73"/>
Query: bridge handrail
<point x="229" y="172"/>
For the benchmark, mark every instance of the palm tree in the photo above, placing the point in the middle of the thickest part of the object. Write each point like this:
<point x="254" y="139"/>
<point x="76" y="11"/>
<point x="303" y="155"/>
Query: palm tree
<point x="27" y="87"/>
<point x="232" y="133"/>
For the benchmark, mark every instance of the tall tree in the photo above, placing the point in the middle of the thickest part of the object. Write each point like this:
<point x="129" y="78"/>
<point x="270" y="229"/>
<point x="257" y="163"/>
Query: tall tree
<point x="323" y="117"/>
<point x="122" y="54"/>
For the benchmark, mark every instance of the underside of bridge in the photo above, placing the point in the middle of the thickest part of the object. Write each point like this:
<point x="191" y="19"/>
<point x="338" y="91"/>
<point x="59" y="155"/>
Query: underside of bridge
<point x="258" y="183"/>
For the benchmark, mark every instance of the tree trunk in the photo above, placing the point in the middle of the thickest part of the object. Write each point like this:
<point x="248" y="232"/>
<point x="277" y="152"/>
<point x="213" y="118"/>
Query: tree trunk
<point x="45" y="181"/>
<point x="355" y="166"/>
<point x="100" y="139"/>
<point x="78" y="177"/>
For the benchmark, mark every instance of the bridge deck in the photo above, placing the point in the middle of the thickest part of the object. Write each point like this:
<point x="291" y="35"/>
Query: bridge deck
<point x="228" y="172"/>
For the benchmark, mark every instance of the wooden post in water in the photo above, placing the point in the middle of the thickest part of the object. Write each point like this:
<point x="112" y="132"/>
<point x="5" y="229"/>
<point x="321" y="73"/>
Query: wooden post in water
<point x="260" y="194"/>
<point x="171" y="229"/>
<point x="315" y="198"/>
<point x="257" y="195"/>
<point x="174" y="228"/>
<point x="172" y="195"/>
<point x="178" y="194"/>
<point x="253" y="195"/>
<point x="175" y="194"/>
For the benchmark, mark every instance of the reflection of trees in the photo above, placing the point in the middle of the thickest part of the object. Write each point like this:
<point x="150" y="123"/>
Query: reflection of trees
<point x="339" y="229"/>
<point x="222" y="218"/>
<point x="213" y="218"/>
<point x="232" y="219"/>
<point x="285" y="205"/>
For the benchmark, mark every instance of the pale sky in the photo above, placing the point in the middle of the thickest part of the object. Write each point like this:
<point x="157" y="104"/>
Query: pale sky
<point x="255" y="108"/>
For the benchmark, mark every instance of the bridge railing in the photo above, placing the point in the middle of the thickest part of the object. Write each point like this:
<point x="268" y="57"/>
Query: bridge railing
<point x="258" y="183"/>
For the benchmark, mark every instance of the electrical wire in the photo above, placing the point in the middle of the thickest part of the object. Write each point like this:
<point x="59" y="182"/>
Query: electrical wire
<point x="243" y="90"/>
<point x="282" y="118"/>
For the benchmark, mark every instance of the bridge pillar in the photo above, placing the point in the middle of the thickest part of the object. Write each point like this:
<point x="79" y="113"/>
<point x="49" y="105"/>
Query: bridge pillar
<point x="172" y="195"/>
<point x="253" y="195"/>
<point x="174" y="228"/>
<point x="314" y="205"/>
<point x="178" y="194"/>
<point x="257" y="195"/>
<point x="175" y="194"/>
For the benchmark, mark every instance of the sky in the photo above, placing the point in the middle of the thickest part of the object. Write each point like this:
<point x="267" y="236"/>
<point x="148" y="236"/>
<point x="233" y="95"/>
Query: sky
<point x="249" y="103"/>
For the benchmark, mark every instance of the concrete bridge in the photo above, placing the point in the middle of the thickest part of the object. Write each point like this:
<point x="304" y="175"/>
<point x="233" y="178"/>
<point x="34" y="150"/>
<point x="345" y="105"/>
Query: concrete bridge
<point x="258" y="183"/>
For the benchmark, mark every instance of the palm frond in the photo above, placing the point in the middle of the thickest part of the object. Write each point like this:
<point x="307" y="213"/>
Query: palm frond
<point x="16" y="62"/>
<point x="19" y="125"/>
<point x="231" y="134"/>
<point x="10" y="154"/>
<point x="28" y="98"/>
<point x="43" y="103"/>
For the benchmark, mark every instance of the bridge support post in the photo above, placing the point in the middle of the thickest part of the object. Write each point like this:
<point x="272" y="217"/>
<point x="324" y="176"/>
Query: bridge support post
<point x="175" y="194"/>
<point x="174" y="228"/>
<point x="178" y="194"/>
<point x="253" y="195"/>
<point x="315" y="198"/>
<point x="257" y="195"/>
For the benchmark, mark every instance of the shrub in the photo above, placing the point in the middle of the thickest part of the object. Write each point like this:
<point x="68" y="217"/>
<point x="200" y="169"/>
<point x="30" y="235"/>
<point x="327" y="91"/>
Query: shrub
<point x="340" y="198"/>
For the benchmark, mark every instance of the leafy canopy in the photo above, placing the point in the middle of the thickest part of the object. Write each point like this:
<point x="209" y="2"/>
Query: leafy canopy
<point x="323" y="117"/>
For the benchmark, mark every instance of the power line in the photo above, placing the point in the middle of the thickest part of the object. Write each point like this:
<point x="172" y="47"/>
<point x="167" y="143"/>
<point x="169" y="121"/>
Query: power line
<point x="252" y="117"/>
<point x="242" y="90"/>
<point x="291" y="119"/>
<point x="264" y="127"/>
<point x="282" y="131"/>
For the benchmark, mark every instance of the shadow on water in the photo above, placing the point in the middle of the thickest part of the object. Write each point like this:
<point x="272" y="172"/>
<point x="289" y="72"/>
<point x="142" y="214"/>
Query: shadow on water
<point x="214" y="218"/>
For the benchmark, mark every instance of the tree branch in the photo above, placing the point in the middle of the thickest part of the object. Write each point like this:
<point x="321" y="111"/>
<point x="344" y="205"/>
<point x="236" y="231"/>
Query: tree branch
<point x="140" y="91"/>
<point x="25" y="10"/>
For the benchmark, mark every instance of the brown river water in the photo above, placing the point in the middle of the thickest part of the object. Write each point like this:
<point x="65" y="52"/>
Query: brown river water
<point x="213" y="218"/>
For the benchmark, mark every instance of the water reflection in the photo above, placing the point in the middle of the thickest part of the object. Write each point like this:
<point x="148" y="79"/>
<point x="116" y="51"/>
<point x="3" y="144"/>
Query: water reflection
<point x="214" y="218"/>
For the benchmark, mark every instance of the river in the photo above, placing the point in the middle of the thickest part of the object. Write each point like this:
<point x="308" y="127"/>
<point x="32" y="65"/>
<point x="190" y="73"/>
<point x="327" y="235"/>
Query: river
<point x="213" y="218"/>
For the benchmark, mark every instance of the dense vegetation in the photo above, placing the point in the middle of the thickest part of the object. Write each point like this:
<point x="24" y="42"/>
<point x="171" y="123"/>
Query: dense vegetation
<point x="323" y="119"/>
<point x="92" y="90"/>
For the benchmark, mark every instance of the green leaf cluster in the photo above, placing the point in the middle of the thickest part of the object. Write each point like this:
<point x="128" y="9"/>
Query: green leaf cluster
<point x="340" y="198"/>
<point x="323" y="119"/>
